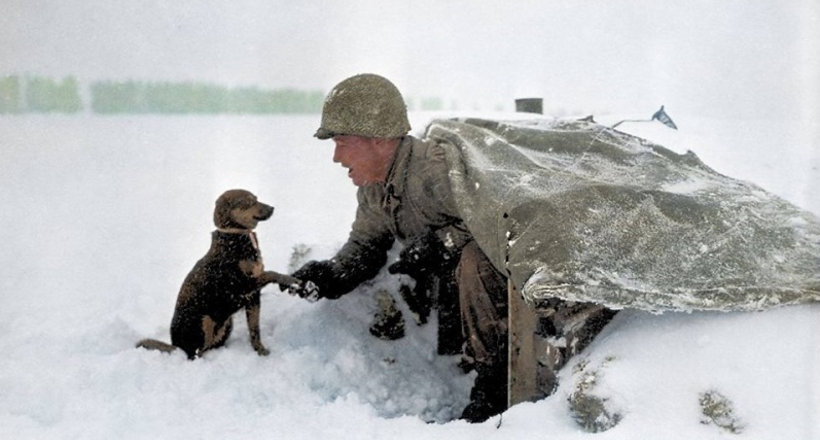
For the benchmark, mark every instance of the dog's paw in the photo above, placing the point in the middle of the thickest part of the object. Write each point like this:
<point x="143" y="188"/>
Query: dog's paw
<point x="307" y="290"/>
<point x="262" y="351"/>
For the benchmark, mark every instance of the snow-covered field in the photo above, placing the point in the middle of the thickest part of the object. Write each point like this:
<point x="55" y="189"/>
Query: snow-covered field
<point x="102" y="217"/>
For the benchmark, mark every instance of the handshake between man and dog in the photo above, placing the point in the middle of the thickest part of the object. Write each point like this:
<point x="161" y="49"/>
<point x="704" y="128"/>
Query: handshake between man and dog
<point x="227" y="279"/>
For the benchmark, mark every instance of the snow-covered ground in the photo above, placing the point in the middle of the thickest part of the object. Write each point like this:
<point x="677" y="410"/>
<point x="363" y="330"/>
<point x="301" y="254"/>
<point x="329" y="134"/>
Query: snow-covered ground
<point x="102" y="217"/>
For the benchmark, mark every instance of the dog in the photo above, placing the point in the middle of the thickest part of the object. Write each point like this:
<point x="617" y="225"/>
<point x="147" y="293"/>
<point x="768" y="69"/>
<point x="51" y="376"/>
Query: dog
<point x="227" y="279"/>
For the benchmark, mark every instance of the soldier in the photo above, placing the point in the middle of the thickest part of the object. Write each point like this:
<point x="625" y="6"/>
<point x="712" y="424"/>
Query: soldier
<point x="404" y="194"/>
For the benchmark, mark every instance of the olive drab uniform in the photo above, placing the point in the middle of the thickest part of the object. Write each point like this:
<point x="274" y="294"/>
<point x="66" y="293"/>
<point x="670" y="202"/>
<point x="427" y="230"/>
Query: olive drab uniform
<point x="416" y="204"/>
<point x="416" y="201"/>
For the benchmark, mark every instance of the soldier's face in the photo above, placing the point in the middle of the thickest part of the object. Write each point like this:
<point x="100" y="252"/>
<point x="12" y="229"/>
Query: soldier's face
<point x="367" y="160"/>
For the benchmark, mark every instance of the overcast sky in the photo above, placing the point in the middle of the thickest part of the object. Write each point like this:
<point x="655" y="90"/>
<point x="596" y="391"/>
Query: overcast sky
<point x="753" y="59"/>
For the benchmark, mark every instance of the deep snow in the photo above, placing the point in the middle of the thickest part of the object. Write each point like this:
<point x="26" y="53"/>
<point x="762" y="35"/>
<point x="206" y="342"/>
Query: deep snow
<point x="102" y="217"/>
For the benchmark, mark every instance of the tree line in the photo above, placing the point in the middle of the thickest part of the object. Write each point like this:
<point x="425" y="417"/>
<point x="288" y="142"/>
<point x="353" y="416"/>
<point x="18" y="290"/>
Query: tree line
<point x="24" y="94"/>
<point x="37" y="94"/>
<point x="189" y="97"/>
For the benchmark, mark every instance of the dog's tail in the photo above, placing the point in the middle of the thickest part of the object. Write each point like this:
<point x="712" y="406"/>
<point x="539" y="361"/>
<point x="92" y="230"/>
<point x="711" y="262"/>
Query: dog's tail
<point x="153" y="344"/>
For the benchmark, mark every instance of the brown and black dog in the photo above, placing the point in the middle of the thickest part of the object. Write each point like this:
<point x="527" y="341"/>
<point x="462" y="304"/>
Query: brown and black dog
<point x="227" y="279"/>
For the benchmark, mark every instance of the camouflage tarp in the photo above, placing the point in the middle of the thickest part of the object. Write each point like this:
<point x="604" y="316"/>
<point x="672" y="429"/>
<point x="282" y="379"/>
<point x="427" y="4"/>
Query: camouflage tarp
<point x="586" y="213"/>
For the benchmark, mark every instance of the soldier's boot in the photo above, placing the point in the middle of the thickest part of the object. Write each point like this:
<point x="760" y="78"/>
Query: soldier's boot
<point x="488" y="397"/>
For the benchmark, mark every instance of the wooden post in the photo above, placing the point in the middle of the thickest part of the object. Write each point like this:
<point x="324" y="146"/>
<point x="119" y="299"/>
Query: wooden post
<point x="531" y="372"/>
<point x="521" y="323"/>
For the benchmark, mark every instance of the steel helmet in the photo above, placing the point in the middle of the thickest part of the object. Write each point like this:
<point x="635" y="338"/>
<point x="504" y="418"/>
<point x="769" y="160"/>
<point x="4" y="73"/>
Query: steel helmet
<point x="365" y="105"/>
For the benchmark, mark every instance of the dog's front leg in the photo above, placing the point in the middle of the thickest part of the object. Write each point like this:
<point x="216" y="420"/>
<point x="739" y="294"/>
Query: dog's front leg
<point x="281" y="279"/>
<point x="252" y="314"/>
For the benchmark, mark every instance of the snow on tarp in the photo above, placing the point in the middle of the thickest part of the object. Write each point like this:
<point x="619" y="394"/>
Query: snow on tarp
<point x="582" y="212"/>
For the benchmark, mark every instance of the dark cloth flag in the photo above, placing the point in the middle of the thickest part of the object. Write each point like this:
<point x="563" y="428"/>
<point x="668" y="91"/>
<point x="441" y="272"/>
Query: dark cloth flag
<point x="661" y="116"/>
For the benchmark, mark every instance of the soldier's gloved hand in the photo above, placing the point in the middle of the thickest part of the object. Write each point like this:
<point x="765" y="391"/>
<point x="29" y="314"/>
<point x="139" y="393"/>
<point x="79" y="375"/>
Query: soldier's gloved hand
<point x="422" y="256"/>
<point x="317" y="278"/>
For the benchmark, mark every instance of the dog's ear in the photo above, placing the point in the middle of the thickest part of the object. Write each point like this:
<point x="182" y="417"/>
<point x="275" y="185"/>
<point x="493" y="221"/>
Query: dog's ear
<point x="222" y="213"/>
<point x="225" y="204"/>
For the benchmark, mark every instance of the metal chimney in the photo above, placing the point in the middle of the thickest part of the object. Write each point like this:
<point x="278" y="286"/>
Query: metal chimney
<point x="529" y="105"/>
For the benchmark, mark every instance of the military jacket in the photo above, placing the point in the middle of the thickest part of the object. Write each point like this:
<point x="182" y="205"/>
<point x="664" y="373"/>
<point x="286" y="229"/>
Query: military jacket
<point x="415" y="200"/>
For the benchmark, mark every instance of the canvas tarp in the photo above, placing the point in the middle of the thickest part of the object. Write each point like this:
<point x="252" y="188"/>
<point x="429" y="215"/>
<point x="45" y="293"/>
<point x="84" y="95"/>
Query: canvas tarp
<point x="582" y="212"/>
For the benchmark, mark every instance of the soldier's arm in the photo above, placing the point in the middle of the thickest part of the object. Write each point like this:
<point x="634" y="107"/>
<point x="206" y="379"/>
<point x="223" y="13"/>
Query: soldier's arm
<point x="455" y="235"/>
<point x="361" y="257"/>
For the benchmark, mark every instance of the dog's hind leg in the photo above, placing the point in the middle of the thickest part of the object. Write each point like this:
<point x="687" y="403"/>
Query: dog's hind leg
<point x="222" y="333"/>
<point x="215" y="334"/>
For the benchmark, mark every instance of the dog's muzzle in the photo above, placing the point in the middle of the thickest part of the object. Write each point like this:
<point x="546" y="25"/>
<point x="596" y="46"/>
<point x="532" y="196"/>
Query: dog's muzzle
<point x="265" y="212"/>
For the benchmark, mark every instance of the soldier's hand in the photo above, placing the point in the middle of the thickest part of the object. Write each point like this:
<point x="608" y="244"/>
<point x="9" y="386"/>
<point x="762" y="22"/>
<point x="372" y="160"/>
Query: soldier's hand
<point x="305" y="289"/>
<point x="423" y="255"/>
<point x="316" y="277"/>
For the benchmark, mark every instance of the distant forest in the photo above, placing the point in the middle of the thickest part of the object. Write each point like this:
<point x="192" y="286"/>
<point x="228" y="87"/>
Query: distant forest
<point x="35" y="94"/>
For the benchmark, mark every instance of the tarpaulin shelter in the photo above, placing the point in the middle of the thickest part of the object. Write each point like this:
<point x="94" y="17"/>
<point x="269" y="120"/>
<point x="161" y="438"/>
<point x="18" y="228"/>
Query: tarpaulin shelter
<point x="583" y="212"/>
